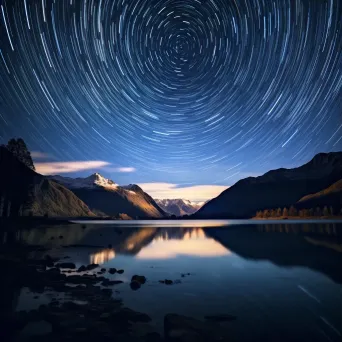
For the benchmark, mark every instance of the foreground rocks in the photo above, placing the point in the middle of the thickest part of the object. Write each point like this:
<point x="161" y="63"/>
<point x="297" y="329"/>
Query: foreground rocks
<point x="84" y="308"/>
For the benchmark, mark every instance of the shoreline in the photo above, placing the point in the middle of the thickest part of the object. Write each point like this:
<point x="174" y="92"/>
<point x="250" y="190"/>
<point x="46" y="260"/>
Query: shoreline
<point x="299" y="218"/>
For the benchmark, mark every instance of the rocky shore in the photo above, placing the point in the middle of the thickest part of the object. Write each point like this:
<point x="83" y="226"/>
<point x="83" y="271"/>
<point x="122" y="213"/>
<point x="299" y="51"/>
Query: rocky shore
<point x="84" y="307"/>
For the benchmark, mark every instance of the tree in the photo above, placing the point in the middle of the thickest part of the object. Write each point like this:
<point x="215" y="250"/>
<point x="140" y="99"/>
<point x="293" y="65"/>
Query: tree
<point x="292" y="211"/>
<point x="19" y="149"/>
<point x="331" y="211"/>
<point x="266" y="213"/>
<point x="318" y="212"/>
<point x="279" y="212"/>
<point x="285" y="212"/>
<point x="325" y="211"/>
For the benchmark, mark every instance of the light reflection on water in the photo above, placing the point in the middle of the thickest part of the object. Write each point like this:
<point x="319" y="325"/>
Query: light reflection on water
<point x="193" y="243"/>
<point x="102" y="257"/>
<point x="274" y="276"/>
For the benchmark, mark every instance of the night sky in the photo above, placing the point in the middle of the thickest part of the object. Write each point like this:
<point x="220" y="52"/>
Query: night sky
<point x="179" y="92"/>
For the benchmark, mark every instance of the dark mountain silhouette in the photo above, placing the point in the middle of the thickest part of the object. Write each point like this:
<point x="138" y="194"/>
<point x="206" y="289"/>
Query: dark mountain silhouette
<point x="276" y="188"/>
<point x="104" y="196"/>
<point x="286" y="245"/>
<point x="24" y="192"/>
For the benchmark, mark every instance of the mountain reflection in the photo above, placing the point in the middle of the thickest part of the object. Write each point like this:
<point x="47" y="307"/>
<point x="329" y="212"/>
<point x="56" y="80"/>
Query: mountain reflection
<point x="171" y="243"/>
<point x="102" y="257"/>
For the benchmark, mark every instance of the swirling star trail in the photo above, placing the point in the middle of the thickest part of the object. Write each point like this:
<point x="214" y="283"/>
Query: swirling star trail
<point x="184" y="91"/>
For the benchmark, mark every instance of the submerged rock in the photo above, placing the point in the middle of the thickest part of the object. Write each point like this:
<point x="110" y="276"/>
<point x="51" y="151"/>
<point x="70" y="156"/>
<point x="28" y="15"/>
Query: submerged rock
<point x="82" y="269"/>
<point x="120" y="271"/>
<point x="112" y="270"/>
<point x="166" y="282"/>
<point x="139" y="279"/>
<point x="91" y="267"/>
<point x="135" y="285"/>
<point x="108" y="282"/>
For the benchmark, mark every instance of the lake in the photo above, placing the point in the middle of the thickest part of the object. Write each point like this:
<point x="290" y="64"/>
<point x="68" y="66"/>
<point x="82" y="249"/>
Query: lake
<point x="281" y="279"/>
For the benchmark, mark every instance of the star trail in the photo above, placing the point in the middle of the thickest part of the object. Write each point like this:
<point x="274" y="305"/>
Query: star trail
<point x="182" y="91"/>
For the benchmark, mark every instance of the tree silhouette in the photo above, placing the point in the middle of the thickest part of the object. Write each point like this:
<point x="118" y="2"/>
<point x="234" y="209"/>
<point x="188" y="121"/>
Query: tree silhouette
<point x="19" y="149"/>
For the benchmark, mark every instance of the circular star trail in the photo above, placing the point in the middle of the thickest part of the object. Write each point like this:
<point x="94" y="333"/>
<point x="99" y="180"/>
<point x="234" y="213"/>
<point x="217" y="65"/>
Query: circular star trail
<point x="191" y="90"/>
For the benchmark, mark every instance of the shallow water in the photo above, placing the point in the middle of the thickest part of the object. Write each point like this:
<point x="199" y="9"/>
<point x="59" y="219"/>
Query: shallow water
<point x="281" y="280"/>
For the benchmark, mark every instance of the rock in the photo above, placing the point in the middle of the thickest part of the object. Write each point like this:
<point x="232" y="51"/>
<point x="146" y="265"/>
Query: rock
<point x="82" y="269"/>
<point x="178" y="328"/>
<point x="103" y="270"/>
<point x="166" y="281"/>
<point x="135" y="285"/>
<point x="120" y="271"/>
<point x="66" y="265"/>
<point x="108" y="282"/>
<point x="91" y="267"/>
<point x="139" y="279"/>
<point x="61" y="236"/>
<point x="112" y="270"/>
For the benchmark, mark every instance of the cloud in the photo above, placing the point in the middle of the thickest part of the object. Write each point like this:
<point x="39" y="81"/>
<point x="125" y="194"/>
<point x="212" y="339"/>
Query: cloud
<point x="68" y="167"/>
<point x="120" y="169"/>
<point x="39" y="155"/>
<point x="196" y="193"/>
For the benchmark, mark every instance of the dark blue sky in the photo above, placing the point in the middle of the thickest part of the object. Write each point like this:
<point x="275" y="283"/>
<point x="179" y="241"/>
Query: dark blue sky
<point x="194" y="92"/>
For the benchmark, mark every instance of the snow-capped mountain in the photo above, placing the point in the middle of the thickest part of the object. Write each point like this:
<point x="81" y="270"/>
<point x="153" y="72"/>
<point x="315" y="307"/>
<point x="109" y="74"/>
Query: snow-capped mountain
<point x="106" y="197"/>
<point x="179" y="207"/>
<point x="91" y="182"/>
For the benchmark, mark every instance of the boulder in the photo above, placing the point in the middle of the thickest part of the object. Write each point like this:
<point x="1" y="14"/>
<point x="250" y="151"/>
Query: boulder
<point x="135" y="285"/>
<point x="91" y="267"/>
<point x="112" y="270"/>
<point x="139" y="279"/>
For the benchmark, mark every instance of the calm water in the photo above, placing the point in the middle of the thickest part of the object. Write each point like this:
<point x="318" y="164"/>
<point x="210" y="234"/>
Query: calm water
<point x="282" y="281"/>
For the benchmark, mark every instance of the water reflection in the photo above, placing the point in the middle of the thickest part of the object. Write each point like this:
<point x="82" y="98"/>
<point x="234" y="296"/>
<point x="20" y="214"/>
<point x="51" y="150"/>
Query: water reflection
<point x="102" y="256"/>
<point x="317" y="246"/>
<point x="173" y="243"/>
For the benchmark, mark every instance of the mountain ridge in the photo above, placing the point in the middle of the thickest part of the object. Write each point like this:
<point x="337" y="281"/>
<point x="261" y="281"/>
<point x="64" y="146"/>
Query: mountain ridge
<point x="276" y="188"/>
<point x="105" y="196"/>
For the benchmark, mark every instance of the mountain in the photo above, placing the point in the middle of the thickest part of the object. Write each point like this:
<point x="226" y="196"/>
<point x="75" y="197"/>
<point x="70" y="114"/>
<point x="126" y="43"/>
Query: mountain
<point x="178" y="207"/>
<point x="24" y="192"/>
<point x="104" y="196"/>
<point x="331" y="196"/>
<point x="276" y="188"/>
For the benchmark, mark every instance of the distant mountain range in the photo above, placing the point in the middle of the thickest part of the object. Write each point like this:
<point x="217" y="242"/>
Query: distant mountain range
<point x="105" y="197"/>
<point x="23" y="192"/>
<point x="316" y="183"/>
<point x="178" y="207"/>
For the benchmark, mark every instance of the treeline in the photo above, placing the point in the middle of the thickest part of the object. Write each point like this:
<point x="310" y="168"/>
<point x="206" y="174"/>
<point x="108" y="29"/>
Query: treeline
<point x="293" y="212"/>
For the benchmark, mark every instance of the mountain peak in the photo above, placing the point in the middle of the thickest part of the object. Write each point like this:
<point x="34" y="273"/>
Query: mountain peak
<point x="133" y="187"/>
